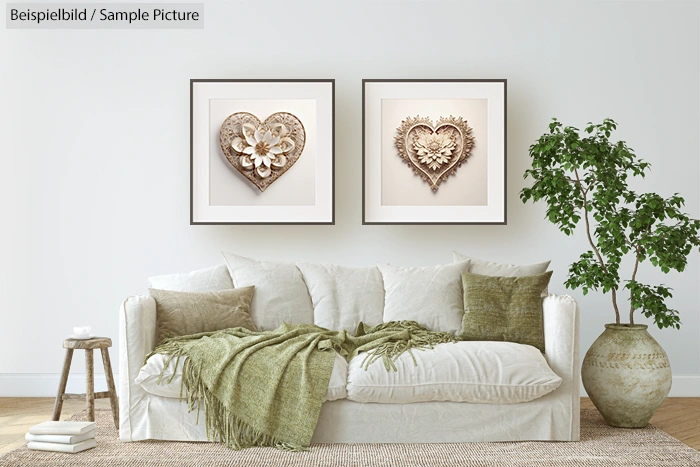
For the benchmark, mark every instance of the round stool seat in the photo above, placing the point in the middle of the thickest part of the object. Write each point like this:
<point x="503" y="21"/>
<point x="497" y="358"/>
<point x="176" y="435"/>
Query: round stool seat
<point x="92" y="343"/>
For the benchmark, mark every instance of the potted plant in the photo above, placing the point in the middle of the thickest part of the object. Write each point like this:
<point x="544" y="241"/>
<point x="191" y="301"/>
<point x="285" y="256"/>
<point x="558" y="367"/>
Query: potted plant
<point x="583" y="176"/>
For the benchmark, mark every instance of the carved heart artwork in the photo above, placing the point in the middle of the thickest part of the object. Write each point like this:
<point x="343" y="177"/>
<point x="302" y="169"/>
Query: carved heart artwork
<point x="434" y="152"/>
<point x="262" y="152"/>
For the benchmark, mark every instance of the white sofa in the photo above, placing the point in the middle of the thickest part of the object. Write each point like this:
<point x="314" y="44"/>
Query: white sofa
<point x="376" y="406"/>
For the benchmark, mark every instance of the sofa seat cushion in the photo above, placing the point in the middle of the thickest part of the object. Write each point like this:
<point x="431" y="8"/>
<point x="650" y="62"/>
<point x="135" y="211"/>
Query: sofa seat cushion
<point x="150" y="372"/>
<point x="474" y="371"/>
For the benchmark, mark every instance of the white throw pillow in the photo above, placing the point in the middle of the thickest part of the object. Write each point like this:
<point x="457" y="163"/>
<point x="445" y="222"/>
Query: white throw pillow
<point x="489" y="268"/>
<point x="432" y="296"/>
<point x="280" y="292"/>
<point x="343" y="296"/>
<point x="470" y="371"/>
<point x="214" y="279"/>
<point x="150" y="373"/>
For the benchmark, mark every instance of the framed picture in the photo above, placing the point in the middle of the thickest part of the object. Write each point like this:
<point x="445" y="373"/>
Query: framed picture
<point x="262" y="151"/>
<point x="434" y="151"/>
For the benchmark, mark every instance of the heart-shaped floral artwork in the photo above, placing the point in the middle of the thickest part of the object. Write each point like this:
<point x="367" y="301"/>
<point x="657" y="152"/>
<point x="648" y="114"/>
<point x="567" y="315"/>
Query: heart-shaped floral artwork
<point x="262" y="152"/>
<point x="434" y="152"/>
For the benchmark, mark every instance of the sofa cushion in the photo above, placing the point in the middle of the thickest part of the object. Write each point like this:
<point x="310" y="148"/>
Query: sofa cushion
<point x="490" y="268"/>
<point x="183" y="313"/>
<point x="150" y="373"/>
<point x="280" y="292"/>
<point x="479" y="372"/>
<point x="432" y="296"/>
<point x="504" y="309"/>
<point x="211" y="279"/>
<point x="343" y="296"/>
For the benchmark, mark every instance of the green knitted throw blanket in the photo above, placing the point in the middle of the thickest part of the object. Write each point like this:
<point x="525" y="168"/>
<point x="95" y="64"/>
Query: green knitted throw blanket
<point x="266" y="388"/>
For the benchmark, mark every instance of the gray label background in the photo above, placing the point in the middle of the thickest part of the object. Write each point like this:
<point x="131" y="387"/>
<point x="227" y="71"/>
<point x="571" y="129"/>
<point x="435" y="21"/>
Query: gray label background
<point x="94" y="21"/>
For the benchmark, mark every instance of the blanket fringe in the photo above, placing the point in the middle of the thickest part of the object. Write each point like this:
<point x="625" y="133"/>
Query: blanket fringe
<point x="418" y="338"/>
<point x="222" y="425"/>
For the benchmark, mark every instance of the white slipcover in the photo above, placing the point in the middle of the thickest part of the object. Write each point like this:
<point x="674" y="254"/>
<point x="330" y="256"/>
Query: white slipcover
<point x="553" y="417"/>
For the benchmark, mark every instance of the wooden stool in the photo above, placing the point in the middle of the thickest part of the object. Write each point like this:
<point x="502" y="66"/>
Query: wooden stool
<point x="102" y="343"/>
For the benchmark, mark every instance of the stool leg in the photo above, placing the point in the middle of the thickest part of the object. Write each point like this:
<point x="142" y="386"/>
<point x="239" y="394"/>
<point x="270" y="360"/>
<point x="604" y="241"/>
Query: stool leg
<point x="58" y="405"/>
<point x="90" y="385"/>
<point x="110" y="386"/>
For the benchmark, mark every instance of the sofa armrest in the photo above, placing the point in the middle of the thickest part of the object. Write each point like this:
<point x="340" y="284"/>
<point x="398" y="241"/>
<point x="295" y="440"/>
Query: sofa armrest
<point x="561" y="336"/>
<point x="561" y="343"/>
<point x="137" y="338"/>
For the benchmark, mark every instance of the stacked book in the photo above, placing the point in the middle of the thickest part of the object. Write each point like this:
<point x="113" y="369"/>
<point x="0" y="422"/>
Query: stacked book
<point x="62" y="436"/>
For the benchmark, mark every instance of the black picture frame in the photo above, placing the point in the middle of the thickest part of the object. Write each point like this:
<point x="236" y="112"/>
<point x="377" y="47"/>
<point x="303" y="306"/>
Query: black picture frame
<point x="373" y="213"/>
<point x="200" y="213"/>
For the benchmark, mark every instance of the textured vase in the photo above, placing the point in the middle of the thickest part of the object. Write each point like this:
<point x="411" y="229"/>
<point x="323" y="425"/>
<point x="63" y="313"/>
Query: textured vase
<point x="627" y="375"/>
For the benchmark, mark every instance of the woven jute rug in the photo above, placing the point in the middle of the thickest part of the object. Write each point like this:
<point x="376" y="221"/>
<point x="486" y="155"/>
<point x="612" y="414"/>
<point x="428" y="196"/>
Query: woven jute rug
<point x="600" y="446"/>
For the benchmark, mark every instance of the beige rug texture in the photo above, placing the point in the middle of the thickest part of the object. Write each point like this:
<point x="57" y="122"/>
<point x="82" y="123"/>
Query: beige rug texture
<point x="600" y="445"/>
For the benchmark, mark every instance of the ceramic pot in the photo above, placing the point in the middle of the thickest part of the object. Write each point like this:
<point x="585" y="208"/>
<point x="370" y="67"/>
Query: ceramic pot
<point x="627" y="375"/>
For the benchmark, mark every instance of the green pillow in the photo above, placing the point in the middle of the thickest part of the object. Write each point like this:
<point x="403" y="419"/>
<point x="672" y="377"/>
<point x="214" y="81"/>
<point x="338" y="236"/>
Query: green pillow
<point x="504" y="308"/>
<point x="183" y="313"/>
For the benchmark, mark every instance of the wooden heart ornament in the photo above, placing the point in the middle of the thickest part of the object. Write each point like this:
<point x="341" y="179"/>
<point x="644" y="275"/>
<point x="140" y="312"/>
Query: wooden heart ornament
<point x="434" y="152"/>
<point x="262" y="152"/>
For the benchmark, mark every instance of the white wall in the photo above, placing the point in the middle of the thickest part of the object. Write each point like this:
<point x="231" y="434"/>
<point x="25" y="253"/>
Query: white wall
<point x="94" y="147"/>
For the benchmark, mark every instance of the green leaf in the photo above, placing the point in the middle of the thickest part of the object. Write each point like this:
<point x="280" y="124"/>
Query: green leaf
<point x="584" y="176"/>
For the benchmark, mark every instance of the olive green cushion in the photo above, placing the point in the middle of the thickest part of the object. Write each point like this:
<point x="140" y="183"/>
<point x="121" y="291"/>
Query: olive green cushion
<point x="184" y="313"/>
<point x="504" y="308"/>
